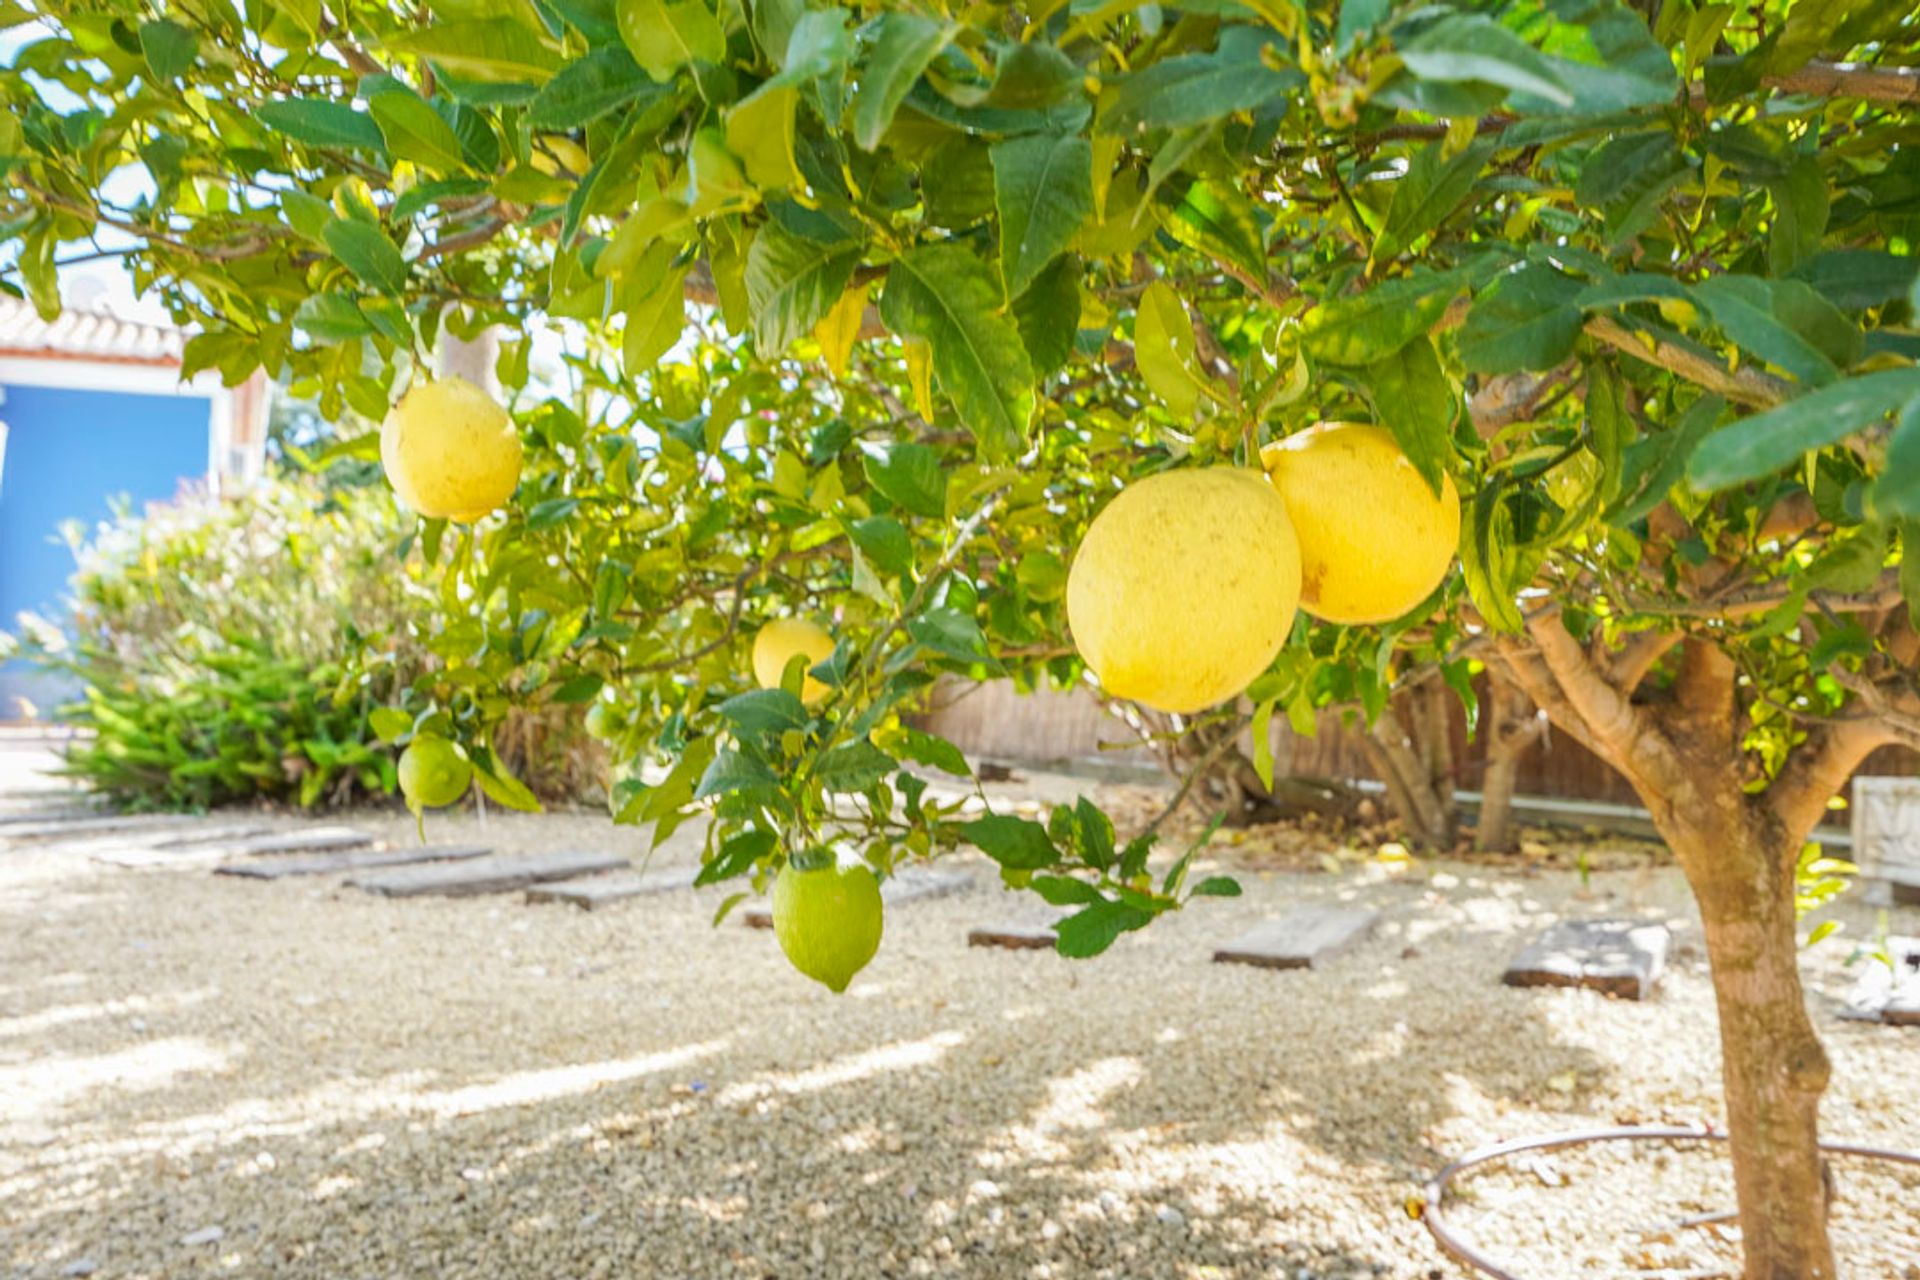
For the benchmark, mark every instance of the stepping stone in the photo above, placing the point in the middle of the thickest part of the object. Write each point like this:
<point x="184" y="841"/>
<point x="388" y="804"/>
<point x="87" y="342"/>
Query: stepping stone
<point x="1013" y="937"/>
<point x="590" y="893"/>
<point x="911" y="885"/>
<point x="1302" y="939"/>
<point x="499" y="873"/>
<point x="1889" y="995"/>
<point x="309" y="840"/>
<point x="321" y="864"/>
<point x="211" y="835"/>
<point x="61" y="828"/>
<point x="1619" y="957"/>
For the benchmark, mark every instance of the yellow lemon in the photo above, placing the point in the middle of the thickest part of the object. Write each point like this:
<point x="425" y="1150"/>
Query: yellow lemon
<point x="776" y="645"/>
<point x="433" y="773"/>
<point x="828" y="920"/>
<point x="1374" y="540"/>
<point x="450" y="450"/>
<point x="1185" y="587"/>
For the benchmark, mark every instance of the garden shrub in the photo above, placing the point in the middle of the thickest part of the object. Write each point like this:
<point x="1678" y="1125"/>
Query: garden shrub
<point x="221" y="651"/>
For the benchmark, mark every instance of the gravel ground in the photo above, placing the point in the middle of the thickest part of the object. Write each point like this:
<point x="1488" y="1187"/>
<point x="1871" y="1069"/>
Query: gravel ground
<point x="201" y="1075"/>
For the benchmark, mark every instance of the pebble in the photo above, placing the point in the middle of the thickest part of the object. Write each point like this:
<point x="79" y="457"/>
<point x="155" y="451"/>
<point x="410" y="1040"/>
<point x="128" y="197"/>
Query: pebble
<point x="1170" y="1216"/>
<point x="205" y="1235"/>
<point x="80" y="1267"/>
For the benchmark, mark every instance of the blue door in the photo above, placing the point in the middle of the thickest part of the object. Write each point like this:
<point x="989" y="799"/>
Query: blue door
<point x="67" y="455"/>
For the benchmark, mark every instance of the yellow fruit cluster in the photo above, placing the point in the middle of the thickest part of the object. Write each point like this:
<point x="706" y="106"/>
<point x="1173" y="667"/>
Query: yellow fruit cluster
<point x="1186" y="585"/>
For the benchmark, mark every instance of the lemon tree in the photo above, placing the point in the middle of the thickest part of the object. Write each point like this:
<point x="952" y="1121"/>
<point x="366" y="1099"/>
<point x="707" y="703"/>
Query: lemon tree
<point x="864" y="314"/>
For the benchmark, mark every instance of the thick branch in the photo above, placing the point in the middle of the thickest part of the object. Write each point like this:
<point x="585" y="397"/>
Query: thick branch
<point x="1747" y="385"/>
<point x="1819" y="768"/>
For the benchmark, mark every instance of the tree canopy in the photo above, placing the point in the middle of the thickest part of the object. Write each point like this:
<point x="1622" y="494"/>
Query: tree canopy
<point x="868" y="309"/>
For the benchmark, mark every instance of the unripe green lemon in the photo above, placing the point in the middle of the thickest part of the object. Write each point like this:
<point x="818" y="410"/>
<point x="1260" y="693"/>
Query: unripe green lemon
<point x="433" y="773"/>
<point x="775" y="646"/>
<point x="1185" y="587"/>
<point x="1374" y="540"/>
<point x="603" y="722"/>
<point x="450" y="450"/>
<point x="828" y="921"/>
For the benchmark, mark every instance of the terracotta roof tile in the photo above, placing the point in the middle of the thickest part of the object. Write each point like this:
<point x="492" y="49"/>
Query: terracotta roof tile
<point x="85" y="334"/>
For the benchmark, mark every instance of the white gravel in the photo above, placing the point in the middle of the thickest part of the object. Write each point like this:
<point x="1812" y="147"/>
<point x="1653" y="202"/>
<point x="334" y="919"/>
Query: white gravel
<point x="207" y="1076"/>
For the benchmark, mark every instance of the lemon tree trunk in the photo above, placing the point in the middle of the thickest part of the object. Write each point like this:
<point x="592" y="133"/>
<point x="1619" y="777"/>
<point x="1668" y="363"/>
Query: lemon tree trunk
<point x="1740" y="863"/>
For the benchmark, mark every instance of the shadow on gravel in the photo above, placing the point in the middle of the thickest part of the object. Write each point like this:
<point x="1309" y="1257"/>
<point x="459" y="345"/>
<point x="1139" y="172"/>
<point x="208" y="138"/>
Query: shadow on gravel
<point x="368" y="1089"/>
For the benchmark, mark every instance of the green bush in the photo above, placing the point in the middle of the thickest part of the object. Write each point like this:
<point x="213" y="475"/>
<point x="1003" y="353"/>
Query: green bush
<point x="209" y="637"/>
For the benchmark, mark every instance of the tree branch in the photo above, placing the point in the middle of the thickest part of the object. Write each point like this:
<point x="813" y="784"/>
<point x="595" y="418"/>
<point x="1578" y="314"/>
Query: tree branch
<point x="1819" y="767"/>
<point x="1746" y="385"/>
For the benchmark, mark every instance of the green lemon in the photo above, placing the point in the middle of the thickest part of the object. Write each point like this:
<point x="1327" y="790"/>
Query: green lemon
<point x="433" y="773"/>
<point x="828" y="921"/>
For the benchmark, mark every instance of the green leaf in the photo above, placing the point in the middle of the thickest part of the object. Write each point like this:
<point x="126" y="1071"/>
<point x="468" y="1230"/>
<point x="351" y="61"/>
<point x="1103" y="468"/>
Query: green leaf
<point x="1855" y="279"/>
<point x="1261" y="730"/>
<point x="489" y="50"/>
<point x="587" y="88"/>
<point x="1653" y="464"/>
<point x="1090" y="931"/>
<point x="820" y="46"/>
<point x="792" y="282"/>
<point x="1043" y="188"/>
<point x="389" y="724"/>
<point x="853" y="767"/>
<point x="1896" y="494"/>
<point x="1361" y="328"/>
<point x="414" y="130"/>
<point x="1417" y="401"/>
<point x="1048" y="314"/>
<point x="321" y="124"/>
<point x="885" y="542"/>
<point x="1220" y="222"/>
<point x="1528" y="319"/>
<point x="1198" y="88"/>
<point x="760" y="132"/>
<point x="1910" y="568"/>
<point x="1163" y="348"/>
<point x="1629" y="67"/>
<point x="762" y="711"/>
<point x="1032" y="76"/>
<point x="1743" y="307"/>
<point x="656" y="308"/>
<point x="500" y="786"/>
<point x="1064" y="891"/>
<point x="1216" y="887"/>
<point x="1014" y="843"/>
<point x="331" y="317"/>
<point x="1470" y="47"/>
<point x="935" y="752"/>
<point x="1433" y="187"/>
<point x="737" y="853"/>
<point x="951" y="633"/>
<point x="367" y="253"/>
<point x="910" y="477"/>
<point x="903" y="45"/>
<point x="733" y="771"/>
<point x="1764" y="443"/>
<point x="169" y="48"/>
<point x="944" y="294"/>
<point x="666" y="35"/>
<point x="1801" y="207"/>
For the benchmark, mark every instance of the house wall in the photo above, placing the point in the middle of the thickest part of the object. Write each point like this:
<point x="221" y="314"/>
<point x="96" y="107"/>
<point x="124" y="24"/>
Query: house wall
<point x="79" y="435"/>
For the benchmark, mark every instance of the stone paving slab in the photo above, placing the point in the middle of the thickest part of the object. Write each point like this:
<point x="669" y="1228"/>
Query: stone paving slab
<point x="1889" y="995"/>
<point x="497" y="873"/>
<point x="1302" y="939"/>
<point x="69" y="828"/>
<point x="911" y="885"/>
<point x="1013" y="937"/>
<point x="320" y="864"/>
<point x="590" y="893"/>
<point x="297" y="840"/>
<point x="1621" y="958"/>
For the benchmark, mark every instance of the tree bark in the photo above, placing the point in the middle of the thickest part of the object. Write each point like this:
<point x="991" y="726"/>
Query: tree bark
<point x="1773" y="1067"/>
<point x="1511" y="729"/>
<point x="1406" y="767"/>
<point x="1739" y="853"/>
